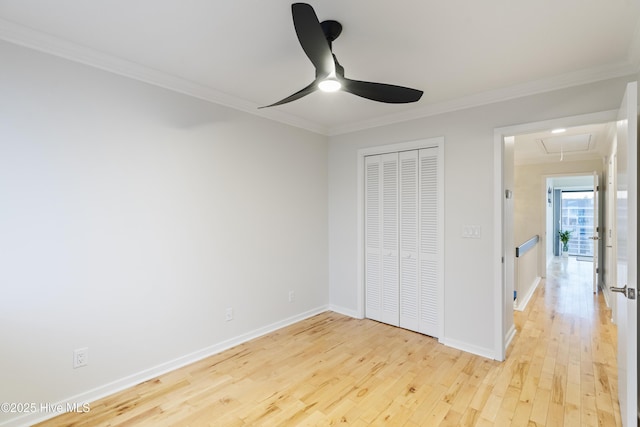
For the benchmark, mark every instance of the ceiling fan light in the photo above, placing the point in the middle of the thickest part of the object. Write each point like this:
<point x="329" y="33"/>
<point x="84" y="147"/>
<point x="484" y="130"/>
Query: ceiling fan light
<point x="329" y="85"/>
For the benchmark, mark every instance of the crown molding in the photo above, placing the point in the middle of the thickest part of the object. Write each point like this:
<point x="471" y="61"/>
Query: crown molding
<point x="33" y="39"/>
<point x="592" y="75"/>
<point x="30" y="38"/>
<point x="499" y="95"/>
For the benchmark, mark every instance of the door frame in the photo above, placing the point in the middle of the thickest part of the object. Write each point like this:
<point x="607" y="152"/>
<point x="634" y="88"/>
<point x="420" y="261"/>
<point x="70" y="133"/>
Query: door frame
<point x="391" y="148"/>
<point x="504" y="332"/>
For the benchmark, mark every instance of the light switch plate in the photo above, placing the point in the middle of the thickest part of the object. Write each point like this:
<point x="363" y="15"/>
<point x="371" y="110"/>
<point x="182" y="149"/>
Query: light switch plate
<point x="471" y="232"/>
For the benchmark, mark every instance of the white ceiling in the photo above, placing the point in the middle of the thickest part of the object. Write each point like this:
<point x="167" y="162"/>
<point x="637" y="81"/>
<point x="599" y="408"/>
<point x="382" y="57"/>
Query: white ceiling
<point x="590" y="142"/>
<point x="244" y="53"/>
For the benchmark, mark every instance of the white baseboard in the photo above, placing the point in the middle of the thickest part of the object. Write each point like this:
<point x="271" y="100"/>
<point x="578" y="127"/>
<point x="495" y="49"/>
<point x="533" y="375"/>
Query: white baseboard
<point x="523" y="301"/>
<point x="140" y="377"/>
<point x="345" y="311"/>
<point x="509" y="337"/>
<point x="480" y="351"/>
<point x="148" y="374"/>
<point x="469" y="348"/>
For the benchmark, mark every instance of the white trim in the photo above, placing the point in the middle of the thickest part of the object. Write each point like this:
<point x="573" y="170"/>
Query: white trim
<point x="522" y="302"/>
<point x="500" y="336"/>
<point x="360" y="309"/>
<point x="401" y="146"/>
<point x="142" y="376"/>
<point x="391" y="148"/>
<point x="505" y="94"/>
<point x="498" y="253"/>
<point x="46" y="43"/>
<point x="510" y="335"/>
<point x="571" y="121"/>
<point x="459" y="345"/>
<point x="28" y="37"/>
<point x="345" y="311"/>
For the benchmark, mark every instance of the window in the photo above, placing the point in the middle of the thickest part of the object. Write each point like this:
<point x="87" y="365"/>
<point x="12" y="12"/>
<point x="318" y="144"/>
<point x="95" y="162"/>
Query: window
<point x="577" y="216"/>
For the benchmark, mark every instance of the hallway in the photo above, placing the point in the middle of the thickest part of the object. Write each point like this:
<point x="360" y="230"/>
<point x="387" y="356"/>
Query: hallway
<point x="566" y="347"/>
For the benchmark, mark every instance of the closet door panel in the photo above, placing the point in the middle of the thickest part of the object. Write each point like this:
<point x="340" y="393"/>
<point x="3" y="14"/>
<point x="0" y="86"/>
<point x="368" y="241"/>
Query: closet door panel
<point x="409" y="242"/>
<point x="373" y="238"/>
<point x="390" y="273"/>
<point x="403" y="218"/>
<point x="429" y="298"/>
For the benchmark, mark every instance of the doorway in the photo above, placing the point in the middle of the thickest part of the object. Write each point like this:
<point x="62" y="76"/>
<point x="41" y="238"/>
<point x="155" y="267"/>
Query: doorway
<point x="623" y="152"/>
<point x="547" y="154"/>
<point x="574" y="208"/>
<point x="577" y="216"/>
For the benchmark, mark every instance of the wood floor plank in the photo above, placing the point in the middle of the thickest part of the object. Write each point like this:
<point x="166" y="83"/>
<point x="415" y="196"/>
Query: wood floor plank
<point x="335" y="370"/>
<point x="540" y="407"/>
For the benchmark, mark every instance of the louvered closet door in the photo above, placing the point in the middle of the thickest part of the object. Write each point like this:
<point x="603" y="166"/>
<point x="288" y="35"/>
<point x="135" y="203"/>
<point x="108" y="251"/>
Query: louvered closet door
<point x="390" y="291"/>
<point x="429" y="298"/>
<point x="402" y="238"/>
<point x="373" y="238"/>
<point x="409" y="242"/>
<point x="381" y="238"/>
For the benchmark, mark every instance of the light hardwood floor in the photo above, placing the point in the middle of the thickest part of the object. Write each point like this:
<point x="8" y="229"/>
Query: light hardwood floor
<point x="335" y="370"/>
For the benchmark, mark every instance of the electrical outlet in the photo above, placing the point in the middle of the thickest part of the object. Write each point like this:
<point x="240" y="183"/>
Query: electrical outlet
<point x="80" y="357"/>
<point x="229" y="314"/>
<point x="292" y="296"/>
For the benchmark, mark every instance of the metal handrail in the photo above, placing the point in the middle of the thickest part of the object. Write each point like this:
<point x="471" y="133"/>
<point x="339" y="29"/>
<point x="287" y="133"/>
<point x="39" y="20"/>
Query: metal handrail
<point x="523" y="248"/>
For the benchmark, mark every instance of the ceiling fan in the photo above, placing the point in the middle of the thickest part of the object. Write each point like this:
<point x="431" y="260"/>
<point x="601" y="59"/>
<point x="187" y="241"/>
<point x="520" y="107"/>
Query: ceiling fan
<point x="315" y="38"/>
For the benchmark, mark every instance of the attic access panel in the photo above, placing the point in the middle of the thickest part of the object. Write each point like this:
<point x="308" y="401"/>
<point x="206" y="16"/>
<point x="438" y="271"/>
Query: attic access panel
<point x="567" y="144"/>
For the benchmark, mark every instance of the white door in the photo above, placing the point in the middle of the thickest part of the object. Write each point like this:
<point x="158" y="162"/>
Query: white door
<point x="390" y="273"/>
<point x="626" y="244"/>
<point x="403" y="239"/>
<point x="409" y="241"/>
<point x="372" y="239"/>
<point x="381" y="238"/>
<point x="420" y="299"/>
<point x="596" y="230"/>
<point x="430" y="225"/>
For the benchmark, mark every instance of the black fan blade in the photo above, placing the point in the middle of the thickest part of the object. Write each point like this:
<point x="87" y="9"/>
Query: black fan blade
<point x="299" y="94"/>
<point x="312" y="38"/>
<point x="381" y="92"/>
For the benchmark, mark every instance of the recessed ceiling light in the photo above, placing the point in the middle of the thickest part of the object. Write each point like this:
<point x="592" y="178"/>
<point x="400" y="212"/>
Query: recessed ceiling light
<point x="561" y="130"/>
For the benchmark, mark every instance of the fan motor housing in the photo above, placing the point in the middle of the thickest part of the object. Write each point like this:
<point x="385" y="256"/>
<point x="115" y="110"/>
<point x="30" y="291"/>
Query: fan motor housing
<point x="331" y="29"/>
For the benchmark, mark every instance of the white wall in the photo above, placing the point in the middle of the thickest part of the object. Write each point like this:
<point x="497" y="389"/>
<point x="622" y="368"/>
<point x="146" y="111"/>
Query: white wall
<point x="469" y="168"/>
<point x="132" y="216"/>
<point x="527" y="276"/>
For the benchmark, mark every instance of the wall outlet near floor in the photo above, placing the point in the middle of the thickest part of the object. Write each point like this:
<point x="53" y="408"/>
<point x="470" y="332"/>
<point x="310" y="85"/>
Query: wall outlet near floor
<point x="228" y="315"/>
<point x="80" y="357"/>
<point x="292" y="296"/>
